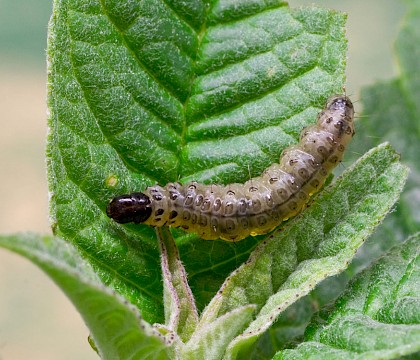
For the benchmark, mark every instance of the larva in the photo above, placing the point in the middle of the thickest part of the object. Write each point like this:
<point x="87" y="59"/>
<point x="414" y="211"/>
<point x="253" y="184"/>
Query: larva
<point x="235" y="211"/>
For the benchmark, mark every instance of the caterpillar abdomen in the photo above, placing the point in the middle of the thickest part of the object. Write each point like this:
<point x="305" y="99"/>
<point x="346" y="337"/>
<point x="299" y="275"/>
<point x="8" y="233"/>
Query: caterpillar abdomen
<point x="235" y="211"/>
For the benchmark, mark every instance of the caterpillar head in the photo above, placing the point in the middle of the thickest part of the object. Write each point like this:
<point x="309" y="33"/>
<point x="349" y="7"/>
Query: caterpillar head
<point x="342" y="104"/>
<point x="135" y="207"/>
<point x="337" y="117"/>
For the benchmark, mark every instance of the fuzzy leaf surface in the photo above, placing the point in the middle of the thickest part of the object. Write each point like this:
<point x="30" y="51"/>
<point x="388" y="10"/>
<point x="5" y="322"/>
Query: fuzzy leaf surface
<point x="376" y="318"/>
<point x="150" y="92"/>
<point x="318" y="244"/>
<point x="117" y="329"/>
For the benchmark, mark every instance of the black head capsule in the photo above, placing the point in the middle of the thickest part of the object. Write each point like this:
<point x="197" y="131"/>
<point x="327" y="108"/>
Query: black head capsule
<point x="133" y="207"/>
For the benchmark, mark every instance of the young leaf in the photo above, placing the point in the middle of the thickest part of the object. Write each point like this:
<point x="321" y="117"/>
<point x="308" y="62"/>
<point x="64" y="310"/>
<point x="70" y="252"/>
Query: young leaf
<point x="180" y="311"/>
<point x="210" y="341"/>
<point x="117" y="329"/>
<point x="317" y="244"/>
<point x="377" y="317"/>
<point x="150" y="92"/>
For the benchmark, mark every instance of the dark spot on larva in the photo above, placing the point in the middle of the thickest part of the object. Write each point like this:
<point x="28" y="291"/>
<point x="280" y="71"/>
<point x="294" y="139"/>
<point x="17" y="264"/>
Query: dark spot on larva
<point x="230" y="225"/>
<point x="341" y="127"/>
<point x="188" y="200"/>
<point x="329" y="120"/>
<point x="185" y="227"/>
<point x="304" y="133"/>
<point x="173" y="195"/>
<point x="242" y="206"/>
<point x="206" y="205"/>
<point x="282" y="193"/>
<point x="341" y="148"/>
<point x="333" y="159"/>
<point x="186" y="215"/>
<point x="331" y="140"/>
<point x="244" y="223"/>
<point x="194" y="218"/>
<point x="293" y="162"/>
<point x="217" y="204"/>
<point x="159" y="212"/>
<point x="230" y="193"/>
<point x="273" y="180"/>
<point x="192" y="187"/>
<point x="228" y="208"/>
<point x="203" y="220"/>
<point x="302" y="196"/>
<point x="199" y="200"/>
<point x="339" y="124"/>
<point x="254" y="205"/>
<point x="293" y="205"/>
<point x="322" y="150"/>
<point x="293" y="185"/>
<point x="315" y="183"/>
<point x="252" y="189"/>
<point x="158" y="219"/>
<point x="157" y="197"/>
<point x="269" y="200"/>
<point x="173" y="214"/>
<point x="323" y="171"/>
<point x="303" y="173"/>
<point x="262" y="220"/>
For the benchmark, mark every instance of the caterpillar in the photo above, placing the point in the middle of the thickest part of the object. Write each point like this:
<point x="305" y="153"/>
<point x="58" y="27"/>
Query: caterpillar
<point x="235" y="211"/>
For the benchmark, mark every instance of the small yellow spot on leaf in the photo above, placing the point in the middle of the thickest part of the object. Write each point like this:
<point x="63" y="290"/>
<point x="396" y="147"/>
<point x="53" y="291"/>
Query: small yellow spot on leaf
<point x="111" y="181"/>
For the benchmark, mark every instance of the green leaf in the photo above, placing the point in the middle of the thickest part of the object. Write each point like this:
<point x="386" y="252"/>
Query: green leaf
<point x="376" y="318"/>
<point x="117" y="329"/>
<point x="317" y="244"/>
<point x="145" y="92"/>
<point x="210" y="341"/>
<point x="389" y="114"/>
<point x="181" y="314"/>
<point x="291" y="324"/>
<point x="288" y="329"/>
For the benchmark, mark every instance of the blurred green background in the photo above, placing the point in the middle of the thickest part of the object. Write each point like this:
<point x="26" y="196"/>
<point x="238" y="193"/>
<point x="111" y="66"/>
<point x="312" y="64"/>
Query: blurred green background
<point x="36" y="319"/>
